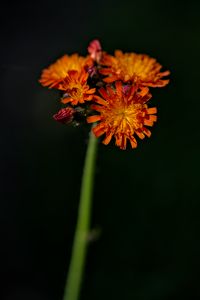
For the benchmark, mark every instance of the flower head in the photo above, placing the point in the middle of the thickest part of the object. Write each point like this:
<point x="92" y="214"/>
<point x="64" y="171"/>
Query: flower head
<point x="76" y="88"/>
<point x="122" y="113"/>
<point x="120" y="105"/>
<point x="139" y="69"/>
<point x="55" y="73"/>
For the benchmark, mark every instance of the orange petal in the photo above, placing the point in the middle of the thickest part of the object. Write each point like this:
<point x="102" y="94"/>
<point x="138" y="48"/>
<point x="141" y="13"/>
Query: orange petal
<point x="96" y="107"/>
<point x="146" y="131"/>
<point x="110" y="79"/>
<point x="153" y="118"/>
<point x="159" y="83"/>
<point x="148" y="122"/>
<point x="104" y="93"/>
<point x="91" y="91"/>
<point x="99" y="129"/>
<point x="88" y="98"/>
<point x="133" y="141"/>
<point x="108" y="138"/>
<point x="105" y="71"/>
<point x="140" y="134"/>
<point x="100" y="100"/>
<point x="124" y="142"/>
<point x="165" y="73"/>
<point x="152" y="110"/>
<point x="118" y="86"/>
<point x="144" y="91"/>
<point x="92" y="119"/>
<point x="110" y="91"/>
<point x="118" y="140"/>
<point x="132" y="92"/>
<point x="66" y="100"/>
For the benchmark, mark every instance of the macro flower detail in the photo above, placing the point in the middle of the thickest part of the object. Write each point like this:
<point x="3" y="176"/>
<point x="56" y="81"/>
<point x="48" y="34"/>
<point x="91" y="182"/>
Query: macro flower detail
<point x="138" y="69"/>
<point x="53" y="75"/>
<point x="122" y="114"/>
<point x="76" y="88"/>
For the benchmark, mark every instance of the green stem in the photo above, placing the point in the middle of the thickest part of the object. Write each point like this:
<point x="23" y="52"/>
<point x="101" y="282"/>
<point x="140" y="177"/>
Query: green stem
<point x="79" y="249"/>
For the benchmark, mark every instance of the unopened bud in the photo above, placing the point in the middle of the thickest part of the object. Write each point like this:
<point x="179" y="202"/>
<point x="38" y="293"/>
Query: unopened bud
<point x="95" y="50"/>
<point x="65" y="115"/>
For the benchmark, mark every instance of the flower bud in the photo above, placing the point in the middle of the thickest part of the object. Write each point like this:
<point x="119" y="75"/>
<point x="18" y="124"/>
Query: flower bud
<point x="95" y="50"/>
<point x="65" y="115"/>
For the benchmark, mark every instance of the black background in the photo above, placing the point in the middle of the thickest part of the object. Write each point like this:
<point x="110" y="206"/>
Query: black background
<point x="146" y="201"/>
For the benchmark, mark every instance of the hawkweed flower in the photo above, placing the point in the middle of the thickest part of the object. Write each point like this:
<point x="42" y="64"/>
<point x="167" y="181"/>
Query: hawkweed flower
<point x="53" y="76"/>
<point x="135" y="68"/>
<point x="122" y="114"/>
<point x="76" y="88"/>
<point x="110" y="90"/>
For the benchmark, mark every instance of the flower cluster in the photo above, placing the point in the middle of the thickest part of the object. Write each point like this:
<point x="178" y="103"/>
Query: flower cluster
<point x="111" y="91"/>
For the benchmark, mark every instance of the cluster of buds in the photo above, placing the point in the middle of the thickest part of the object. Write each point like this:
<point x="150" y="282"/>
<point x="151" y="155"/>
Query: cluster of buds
<point x="111" y="91"/>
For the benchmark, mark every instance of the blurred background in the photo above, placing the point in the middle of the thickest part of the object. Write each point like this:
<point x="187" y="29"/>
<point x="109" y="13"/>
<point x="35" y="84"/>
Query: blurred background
<point x="146" y="201"/>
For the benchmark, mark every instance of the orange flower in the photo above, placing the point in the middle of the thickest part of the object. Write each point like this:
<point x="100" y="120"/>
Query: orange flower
<point x="135" y="68"/>
<point x="76" y="88"/>
<point x="55" y="73"/>
<point x="122" y="113"/>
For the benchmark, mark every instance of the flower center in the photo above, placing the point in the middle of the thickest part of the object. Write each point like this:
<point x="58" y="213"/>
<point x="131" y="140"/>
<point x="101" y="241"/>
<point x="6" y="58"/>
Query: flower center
<point x="76" y="92"/>
<point x="130" y="67"/>
<point x="124" y="118"/>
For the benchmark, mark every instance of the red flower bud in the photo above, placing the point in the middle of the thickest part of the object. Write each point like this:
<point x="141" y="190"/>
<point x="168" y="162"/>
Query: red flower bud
<point x="95" y="50"/>
<point x="65" y="115"/>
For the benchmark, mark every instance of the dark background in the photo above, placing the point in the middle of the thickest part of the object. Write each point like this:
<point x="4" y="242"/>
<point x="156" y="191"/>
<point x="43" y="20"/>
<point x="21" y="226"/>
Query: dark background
<point x="146" y="201"/>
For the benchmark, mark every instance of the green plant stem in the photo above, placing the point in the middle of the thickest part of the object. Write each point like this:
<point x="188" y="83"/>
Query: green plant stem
<point x="79" y="249"/>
